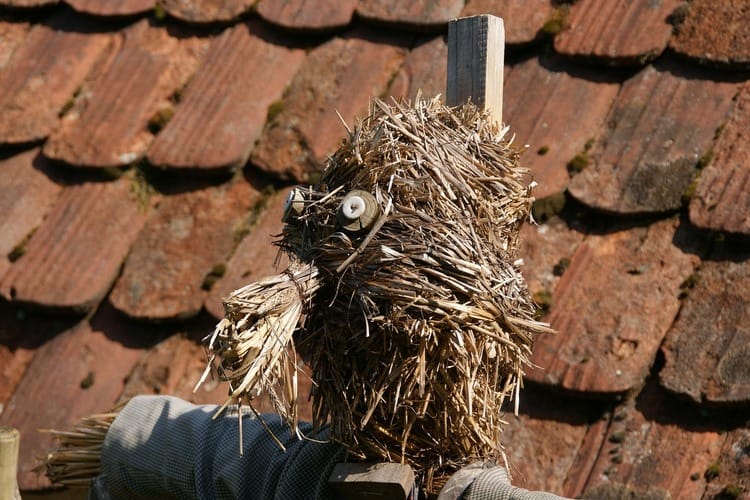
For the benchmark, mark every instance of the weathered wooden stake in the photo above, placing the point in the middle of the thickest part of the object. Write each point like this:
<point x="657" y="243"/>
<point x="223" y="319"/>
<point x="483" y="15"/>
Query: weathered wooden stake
<point x="476" y="55"/>
<point x="9" y="445"/>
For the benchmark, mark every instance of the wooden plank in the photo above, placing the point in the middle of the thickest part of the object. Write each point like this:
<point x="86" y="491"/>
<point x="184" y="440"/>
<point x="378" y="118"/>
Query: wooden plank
<point x="372" y="481"/>
<point x="9" y="444"/>
<point x="476" y="54"/>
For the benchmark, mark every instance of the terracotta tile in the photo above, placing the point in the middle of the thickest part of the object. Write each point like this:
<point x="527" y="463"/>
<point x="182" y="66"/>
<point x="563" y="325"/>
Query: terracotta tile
<point x="340" y="75"/>
<point x="654" y="445"/>
<point x="523" y="19"/>
<point x="428" y="14"/>
<point x="620" y="32"/>
<point x="256" y="255"/>
<point x="173" y="367"/>
<point x="611" y="310"/>
<point x="78" y="373"/>
<point x="21" y="333"/>
<point x="184" y="240"/>
<point x="714" y="32"/>
<point x="647" y="158"/>
<point x="542" y="443"/>
<point x="27" y="194"/>
<point x="707" y="349"/>
<point x="43" y="73"/>
<point x="425" y="69"/>
<point x="11" y="36"/>
<point x="120" y="8"/>
<point x="307" y="15"/>
<point x="206" y="11"/>
<point x="74" y="257"/>
<point x="722" y="196"/>
<point x="730" y="473"/>
<point x="546" y="250"/>
<point x="108" y="124"/>
<point x="216" y="125"/>
<point x="543" y="98"/>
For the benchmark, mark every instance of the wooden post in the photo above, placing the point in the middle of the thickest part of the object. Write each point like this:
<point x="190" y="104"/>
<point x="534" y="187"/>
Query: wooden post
<point x="476" y="54"/>
<point x="9" y="444"/>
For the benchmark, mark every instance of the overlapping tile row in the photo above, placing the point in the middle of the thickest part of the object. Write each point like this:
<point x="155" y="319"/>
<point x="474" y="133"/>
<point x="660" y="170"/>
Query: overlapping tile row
<point x="206" y="11"/>
<point x="707" y="351"/>
<point x="714" y="32"/>
<point x="546" y="442"/>
<point x="655" y="447"/>
<point x="43" y="72"/>
<point x="184" y="243"/>
<point x="340" y="76"/>
<point x="215" y="126"/>
<point x="721" y="198"/>
<point x="611" y="309"/>
<point x="557" y="109"/>
<point x="76" y="373"/>
<point x="654" y="141"/>
<point x="107" y="124"/>
<point x="428" y="15"/>
<point x="307" y="15"/>
<point x="74" y="257"/>
<point x="617" y="32"/>
<point x="27" y="194"/>
<point x="119" y="8"/>
<point x="256" y="256"/>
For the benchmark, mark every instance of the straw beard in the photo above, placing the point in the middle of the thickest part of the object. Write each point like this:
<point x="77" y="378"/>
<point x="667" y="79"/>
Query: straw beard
<point x="404" y="293"/>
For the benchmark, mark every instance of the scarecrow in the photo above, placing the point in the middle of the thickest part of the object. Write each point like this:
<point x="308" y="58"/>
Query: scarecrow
<point x="405" y="298"/>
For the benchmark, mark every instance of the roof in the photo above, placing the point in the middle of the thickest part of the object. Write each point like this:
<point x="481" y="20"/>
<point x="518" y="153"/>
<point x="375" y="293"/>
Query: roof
<point x="146" y="149"/>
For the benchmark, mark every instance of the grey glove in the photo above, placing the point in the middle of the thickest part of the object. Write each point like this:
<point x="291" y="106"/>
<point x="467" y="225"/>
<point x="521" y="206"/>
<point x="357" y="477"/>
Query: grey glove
<point x="163" y="447"/>
<point x="487" y="481"/>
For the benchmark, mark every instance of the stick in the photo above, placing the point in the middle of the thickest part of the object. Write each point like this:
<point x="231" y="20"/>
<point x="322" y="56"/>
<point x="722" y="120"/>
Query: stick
<point x="9" y="445"/>
<point x="476" y="54"/>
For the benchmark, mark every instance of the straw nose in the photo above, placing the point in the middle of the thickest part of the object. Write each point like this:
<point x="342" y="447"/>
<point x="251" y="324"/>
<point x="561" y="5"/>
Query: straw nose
<point x="253" y="342"/>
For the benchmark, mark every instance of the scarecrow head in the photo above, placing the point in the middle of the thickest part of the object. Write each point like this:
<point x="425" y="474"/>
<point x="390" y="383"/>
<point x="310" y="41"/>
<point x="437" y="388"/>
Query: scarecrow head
<point x="404" y="293"/>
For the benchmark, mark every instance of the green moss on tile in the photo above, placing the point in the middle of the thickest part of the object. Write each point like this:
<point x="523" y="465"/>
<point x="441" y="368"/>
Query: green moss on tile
<point x="159" y="13"/>
<point x="712" y="472"/>
<point x="69" y="103"/>
<point x="561" y="266"/>
<point x="730" y="492"/>
<point x="689" y="192"/>
<point x="141" y="189"/>
<point x="160" y="119"/>
<point x="556" y="22"/>
<point x="543" y="300"/>
<point x="617" y="437"/>
<point x="704" y="160"/>
<point x="688" y="284"/>
<point x="243" y="226"/>
<point x="545" y="208"/>
<point x="578" y="163"/>
<point x="19" y="250"/>
<point x="87" y="381"/>
<point x="678" y="15"/>
<point x="542" y="151"/>
<point x="215" y="274"/>
<point x="178" y="94"/>
<point x="274" y="110"/>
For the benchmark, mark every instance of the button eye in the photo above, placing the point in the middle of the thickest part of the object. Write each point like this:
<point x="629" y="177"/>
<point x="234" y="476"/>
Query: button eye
<point x="358" y="211"/>
<point x="293" y="205"/>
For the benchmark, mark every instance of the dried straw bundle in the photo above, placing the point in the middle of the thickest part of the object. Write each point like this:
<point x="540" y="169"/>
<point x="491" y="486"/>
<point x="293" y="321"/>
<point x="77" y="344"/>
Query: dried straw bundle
<point x="77" y="457"/>
<point x="404" y="293"/>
